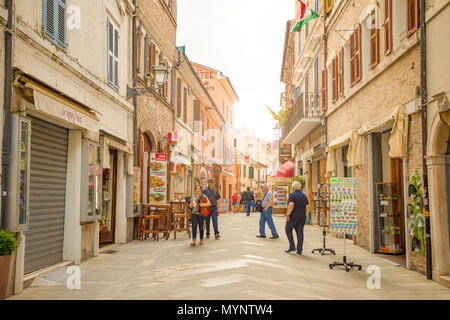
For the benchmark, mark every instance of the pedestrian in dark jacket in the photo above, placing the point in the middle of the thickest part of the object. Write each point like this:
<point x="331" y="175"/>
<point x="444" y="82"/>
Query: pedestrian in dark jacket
<point x="248" y="198"/>
<point x="213" y="195"/>
<point x="296" y="217"/>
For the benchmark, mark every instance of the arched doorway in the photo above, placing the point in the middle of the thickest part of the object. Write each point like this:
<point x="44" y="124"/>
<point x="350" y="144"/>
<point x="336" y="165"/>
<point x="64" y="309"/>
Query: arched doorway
<point x="147" y="146"/>
<point x="438" y="162"/>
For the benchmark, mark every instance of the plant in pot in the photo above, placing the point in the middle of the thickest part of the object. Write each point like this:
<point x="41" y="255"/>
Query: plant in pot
<point x="8" y="245"/>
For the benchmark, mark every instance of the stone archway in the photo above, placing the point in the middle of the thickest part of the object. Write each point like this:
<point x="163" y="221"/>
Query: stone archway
<point x="439" y="206"/>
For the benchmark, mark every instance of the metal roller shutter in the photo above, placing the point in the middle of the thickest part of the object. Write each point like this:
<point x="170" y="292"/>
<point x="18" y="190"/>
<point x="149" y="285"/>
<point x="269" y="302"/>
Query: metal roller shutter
<point x="45" y="238"/>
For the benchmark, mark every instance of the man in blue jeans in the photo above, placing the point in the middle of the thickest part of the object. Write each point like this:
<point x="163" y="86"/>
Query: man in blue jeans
<point x="248" y="197"/>
<point x="213" y="195"/>
<point x="266" y="214"/>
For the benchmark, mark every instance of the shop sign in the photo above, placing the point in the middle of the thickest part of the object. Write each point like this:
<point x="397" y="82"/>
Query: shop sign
<point x="158" y="178"/>
<point x="281" y="196"/>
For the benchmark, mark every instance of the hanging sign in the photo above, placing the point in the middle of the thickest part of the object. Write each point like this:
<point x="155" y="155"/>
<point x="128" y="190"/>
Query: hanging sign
<point x="343" y="205"/>
<point x="158" y="178"/>
<point x="281" y="196"/>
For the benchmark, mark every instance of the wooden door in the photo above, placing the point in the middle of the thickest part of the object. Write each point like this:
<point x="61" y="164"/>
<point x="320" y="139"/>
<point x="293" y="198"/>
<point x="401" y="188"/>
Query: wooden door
<point x="398" y="206"/>
<point x="109" y="201"/>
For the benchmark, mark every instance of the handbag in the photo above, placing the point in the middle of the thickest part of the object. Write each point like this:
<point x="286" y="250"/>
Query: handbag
<point x="204" y="211"/>
<point x="259" y="206"/>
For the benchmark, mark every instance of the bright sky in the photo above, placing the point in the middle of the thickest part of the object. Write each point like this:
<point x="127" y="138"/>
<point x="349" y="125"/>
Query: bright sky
<point x="244" y="39"/>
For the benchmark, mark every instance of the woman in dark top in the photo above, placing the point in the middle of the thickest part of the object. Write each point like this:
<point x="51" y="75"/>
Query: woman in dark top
<point x="197" y="218"/>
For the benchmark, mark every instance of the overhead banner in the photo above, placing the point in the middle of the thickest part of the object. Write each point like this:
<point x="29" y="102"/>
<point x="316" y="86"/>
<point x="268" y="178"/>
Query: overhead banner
<point x="343" y="205"/>
<point x="158" y="178"/>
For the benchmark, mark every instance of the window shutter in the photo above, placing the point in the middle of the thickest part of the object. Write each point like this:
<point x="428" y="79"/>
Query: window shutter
<point x="153" y="62"/>
<point x="48" y="18"/>
<point x="329" y="5"/>
<point x="166" y="84"/>
<point x="116" y="56"/>
<point x="138" y="50"/>
<point x="412" y="18"/>
<point x="334" y="84"/>
<point x="352" y="58"/>
<point x="185" y="105"/>
<point x="146" y="55"/>
<point x="387" y="26"/>
<point x="358" y="61"/>
<point x="324" y="90"/>
<point x="374" y="42"/>
<point x="61" y="22"/>
<point x="178" y="97"/>
<point x="341" y="72"/>
<point x="54" y="17"/>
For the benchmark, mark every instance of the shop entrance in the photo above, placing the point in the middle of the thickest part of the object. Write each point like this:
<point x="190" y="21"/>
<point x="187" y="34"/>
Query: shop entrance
<point x="107" y="224"/>
<point x="447" y="167"/>
<point x="389" y="213"/>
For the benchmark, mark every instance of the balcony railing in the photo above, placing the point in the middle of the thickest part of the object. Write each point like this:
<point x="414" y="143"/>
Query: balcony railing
<point x="300" y="111"/>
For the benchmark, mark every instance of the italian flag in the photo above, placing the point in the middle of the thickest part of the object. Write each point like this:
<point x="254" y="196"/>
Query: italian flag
<point x="173" y="136"/>
<point x="306" y="15"/>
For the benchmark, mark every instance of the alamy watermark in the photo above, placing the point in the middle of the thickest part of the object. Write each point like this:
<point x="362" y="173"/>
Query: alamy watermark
<point x="374" y="281"/>
<point x="73" y="281"/>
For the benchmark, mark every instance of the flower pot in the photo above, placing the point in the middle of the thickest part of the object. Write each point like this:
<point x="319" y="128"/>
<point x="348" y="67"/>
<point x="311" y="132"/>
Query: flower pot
<point x="5" y="267"/>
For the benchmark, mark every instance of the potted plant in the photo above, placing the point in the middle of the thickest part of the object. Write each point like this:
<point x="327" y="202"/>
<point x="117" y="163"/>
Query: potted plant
<point x="8" y="245"/>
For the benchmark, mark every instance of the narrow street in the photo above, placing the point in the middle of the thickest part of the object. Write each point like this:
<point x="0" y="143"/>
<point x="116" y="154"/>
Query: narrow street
<point x="238" y="266"/>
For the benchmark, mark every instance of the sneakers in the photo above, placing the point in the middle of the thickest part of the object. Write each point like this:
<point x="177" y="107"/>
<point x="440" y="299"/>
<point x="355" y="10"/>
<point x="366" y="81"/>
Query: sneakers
<point x="201" y="242"/>
<point x="208" y="236"/>
<point x="289" y="250"/>
<point x="262" y="237"/>
<point x="217" y="236"/>
<point x="274" y="237"/>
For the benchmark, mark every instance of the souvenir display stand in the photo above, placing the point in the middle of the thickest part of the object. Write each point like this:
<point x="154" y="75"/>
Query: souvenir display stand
<point x="343" y="214"/>
<point x="321" y="205"/>
<point x="389" y="216"/>
<point x="281" y="190"/>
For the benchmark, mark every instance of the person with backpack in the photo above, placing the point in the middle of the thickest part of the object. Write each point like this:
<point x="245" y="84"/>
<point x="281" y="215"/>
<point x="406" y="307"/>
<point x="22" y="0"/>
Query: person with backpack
<point x="198" y="201"/>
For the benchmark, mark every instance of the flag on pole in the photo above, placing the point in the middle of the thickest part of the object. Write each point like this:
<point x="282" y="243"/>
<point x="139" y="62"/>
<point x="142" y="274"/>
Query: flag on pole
<point x="274" y="115"/>
<point x="306" y="15"/>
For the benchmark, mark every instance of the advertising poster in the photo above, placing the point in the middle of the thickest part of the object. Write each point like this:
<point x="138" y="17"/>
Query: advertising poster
<point x="343" y="205"/>
<point x="158" y="178"/>
<point x="280" y="197"/>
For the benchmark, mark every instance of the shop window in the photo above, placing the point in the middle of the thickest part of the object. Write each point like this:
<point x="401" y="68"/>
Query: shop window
<point x="92" y="181"/>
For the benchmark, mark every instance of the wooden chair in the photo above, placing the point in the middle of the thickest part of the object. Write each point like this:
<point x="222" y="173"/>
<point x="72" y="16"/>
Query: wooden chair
<point x="149" y="223"/>
<point x="163" y="211"/>
<point x="180" y="218"/>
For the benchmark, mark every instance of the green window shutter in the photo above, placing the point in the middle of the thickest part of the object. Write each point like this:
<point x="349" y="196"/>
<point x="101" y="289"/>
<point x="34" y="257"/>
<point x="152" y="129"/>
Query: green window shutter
<point x="251" y="173"/>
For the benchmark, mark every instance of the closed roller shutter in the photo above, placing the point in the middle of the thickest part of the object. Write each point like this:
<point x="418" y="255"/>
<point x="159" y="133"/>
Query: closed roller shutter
<point x="45" y="238"/>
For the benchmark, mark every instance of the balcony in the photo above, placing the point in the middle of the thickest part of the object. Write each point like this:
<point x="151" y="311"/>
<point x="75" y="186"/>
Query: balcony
<point x="302" y="119"/>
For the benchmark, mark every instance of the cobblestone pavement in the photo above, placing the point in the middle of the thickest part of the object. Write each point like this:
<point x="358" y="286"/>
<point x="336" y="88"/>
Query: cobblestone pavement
<point x="238" y="266"/>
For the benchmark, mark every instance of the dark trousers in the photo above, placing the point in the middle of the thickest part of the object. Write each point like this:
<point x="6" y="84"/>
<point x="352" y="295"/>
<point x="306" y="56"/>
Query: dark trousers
<point x="197" y="220"/>
<point x="213" y="214"/>
<point x="296" y="224"/>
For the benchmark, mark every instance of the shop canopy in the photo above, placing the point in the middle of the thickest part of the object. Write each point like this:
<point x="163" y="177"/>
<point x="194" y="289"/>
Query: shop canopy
<point x="287" y="170"/>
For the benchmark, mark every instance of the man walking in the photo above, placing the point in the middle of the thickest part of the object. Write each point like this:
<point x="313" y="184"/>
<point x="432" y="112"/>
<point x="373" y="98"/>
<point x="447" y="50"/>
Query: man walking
<point x="296" y="217"/>
<point x="266" y="214"/>
<point x="213" y="195"/>
<point x="248" y="198"/>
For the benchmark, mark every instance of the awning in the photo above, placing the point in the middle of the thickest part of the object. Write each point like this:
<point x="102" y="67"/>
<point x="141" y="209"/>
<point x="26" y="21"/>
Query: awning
<point x="378" y="122"/>
<point x="398" y="141"/>
<point x="287" y="170"/>
<point x="340" y="141"/>
<point x="331" y="158"/>
<point x="60" y="108"/>
<point x="355" y="155"/>
<point x="120" y="146"/>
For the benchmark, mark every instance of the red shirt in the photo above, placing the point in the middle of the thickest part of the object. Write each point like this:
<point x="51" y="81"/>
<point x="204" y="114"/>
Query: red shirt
<point x="234" y="198"/>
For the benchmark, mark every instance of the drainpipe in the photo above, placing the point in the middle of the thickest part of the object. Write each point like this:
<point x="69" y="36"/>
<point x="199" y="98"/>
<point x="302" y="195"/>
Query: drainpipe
<point x="325" y="40"/>
<point x="134" y="75"/>
<point x="423" y="76"/>
<point x="6" y="148"/>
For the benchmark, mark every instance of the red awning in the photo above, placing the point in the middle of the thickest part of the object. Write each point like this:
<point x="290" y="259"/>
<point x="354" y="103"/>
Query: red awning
<point x="287" y="170"/>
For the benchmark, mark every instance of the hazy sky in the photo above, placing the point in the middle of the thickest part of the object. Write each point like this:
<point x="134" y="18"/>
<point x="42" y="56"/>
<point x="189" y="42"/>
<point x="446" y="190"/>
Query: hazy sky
<point x="244" y="39"/>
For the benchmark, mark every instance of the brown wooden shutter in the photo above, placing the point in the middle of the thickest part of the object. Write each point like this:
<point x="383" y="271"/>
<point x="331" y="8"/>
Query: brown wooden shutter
<point x="341" y="72"/>
<point x="138" y="50"/>
<point x="387" y="27"/>
<point x="185" y="105"/>
<point x="153" y="62"/>
<point x="324" y="90"/>
<point x="166" y="84"/>
<point x="358" y="54"/>
<point x="334" y="85"/>
<point x="412" y="16"/>
<point x="178" y="97"/>
<point x="146" y="55"/>
<point x="352" y="58"/>
<point x="374" y="42"/>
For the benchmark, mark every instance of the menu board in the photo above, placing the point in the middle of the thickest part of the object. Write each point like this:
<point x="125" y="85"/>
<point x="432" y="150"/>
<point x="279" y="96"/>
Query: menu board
<point x="343" y="205"/>
<point x="158" y="178"/>
<point x="281" y="196"/>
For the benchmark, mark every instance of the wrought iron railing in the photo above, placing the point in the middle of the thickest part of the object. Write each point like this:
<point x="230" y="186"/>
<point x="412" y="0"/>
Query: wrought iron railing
<point x="301" y="110"/>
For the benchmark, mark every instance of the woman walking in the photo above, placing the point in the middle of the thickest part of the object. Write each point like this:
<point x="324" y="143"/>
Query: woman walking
<point x="198" y="201"/>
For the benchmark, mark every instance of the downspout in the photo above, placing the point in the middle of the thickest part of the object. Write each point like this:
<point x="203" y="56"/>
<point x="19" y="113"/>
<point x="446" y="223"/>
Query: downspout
<point x="6" y="147"/>
<point x="423" y="79"/>
<point x="134" y="75"/>
<point x="325" y="53"/>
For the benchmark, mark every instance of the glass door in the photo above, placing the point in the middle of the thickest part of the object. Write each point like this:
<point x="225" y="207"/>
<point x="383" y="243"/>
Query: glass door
<point x="107" y="224"/>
